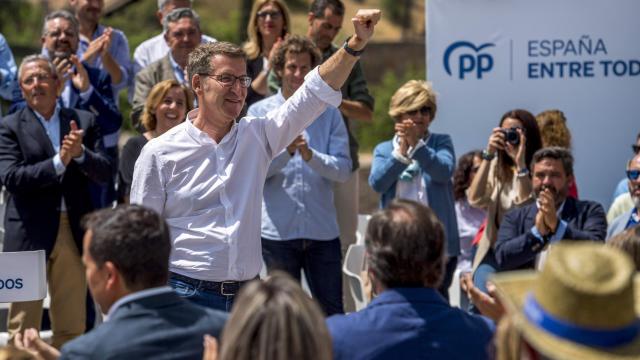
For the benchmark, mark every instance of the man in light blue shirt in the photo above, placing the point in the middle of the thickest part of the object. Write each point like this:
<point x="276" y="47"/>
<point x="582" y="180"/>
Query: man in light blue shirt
<point x="299" y="226"/>
<point x="102" y="47"/>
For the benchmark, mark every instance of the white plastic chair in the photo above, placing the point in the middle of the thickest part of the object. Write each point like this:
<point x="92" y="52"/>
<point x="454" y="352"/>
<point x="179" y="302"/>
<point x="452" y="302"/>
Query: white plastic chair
<point x="363" y="221"/>
<point x="454" y="290"/>
<point x="353" y="265"/>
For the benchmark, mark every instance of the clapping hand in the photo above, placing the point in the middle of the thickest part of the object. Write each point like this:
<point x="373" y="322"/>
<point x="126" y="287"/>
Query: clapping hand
<point x="408" y="136"/>
<point x="71" y="144"/>
<point x="547" y="217"/>
<point x="33" y="344"/>
<point x="98" y="46"/>
<point x="65" y="70"/>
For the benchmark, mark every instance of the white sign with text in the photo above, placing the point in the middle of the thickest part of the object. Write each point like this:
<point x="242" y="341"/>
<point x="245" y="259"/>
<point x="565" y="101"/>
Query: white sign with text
<point x="22" y="276"/>
<point x="485" y="57"/>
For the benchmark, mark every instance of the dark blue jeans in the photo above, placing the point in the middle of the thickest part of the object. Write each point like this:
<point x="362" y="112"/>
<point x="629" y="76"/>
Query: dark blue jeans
<point x="201" y="296"/>
<point x="321" y="262"/>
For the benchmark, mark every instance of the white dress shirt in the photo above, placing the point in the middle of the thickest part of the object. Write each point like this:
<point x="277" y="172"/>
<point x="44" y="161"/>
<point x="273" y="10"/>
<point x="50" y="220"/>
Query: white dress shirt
<point x="210" y="193"/>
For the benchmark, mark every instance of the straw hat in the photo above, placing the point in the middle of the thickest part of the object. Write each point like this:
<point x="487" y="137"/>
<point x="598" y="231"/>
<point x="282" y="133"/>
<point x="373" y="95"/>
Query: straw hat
<point x="584" y="304"/>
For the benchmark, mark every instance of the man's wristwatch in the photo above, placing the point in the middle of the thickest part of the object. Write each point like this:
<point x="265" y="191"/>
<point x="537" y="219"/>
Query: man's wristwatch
<point x="351" y="51"/>
<point x="485" y="155"/>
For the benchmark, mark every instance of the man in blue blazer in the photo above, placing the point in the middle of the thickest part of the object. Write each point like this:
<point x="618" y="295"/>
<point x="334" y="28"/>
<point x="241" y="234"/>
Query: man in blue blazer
<point x="525" y="232"/>
<point x="48" y="155"/>
<point x="408" y="318"/>
<point x="126" y="255"/>
<point x="418" y="165"/>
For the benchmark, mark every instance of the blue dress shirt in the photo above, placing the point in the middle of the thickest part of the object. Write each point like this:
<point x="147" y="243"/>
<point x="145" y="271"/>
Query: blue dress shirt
<point x="298" y="195"/>
<point x="8" y="71"/>
<point x="119" y="51"/>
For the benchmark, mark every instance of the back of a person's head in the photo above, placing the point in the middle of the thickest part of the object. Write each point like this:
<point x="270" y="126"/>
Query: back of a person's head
<point x="135" y="239"/>
<point x="629" y="242"/>
<point x="553" y="129"/>
<point x="405" y="246"/>
<point x="274" y="319"/>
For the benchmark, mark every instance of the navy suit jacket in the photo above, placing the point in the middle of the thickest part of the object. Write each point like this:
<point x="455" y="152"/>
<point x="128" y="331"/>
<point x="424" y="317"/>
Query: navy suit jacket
<point x="35" y="190"/>
<point x="517" y="247"/>
<point x="437" y="162"/>
<point x="162" y="326"/>
<point x="100" y="102"/>
<point x="410" y="323"/>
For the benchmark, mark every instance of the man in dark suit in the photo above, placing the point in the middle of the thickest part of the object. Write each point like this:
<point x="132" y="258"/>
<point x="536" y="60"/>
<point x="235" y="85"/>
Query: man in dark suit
<point x="408" y="319"/>
<point x="126" y="254"/>
<point x="525" y="232"/>
<point x="48" y="154"/>
<point x="83" y="87"/>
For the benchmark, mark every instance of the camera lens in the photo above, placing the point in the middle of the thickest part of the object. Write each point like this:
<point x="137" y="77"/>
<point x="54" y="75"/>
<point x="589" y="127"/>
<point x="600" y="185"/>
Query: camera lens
<point x="512" y="136"/>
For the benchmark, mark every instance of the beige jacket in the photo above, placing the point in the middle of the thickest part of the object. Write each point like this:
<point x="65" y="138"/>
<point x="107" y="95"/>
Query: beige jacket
<point x="486" y="192"/>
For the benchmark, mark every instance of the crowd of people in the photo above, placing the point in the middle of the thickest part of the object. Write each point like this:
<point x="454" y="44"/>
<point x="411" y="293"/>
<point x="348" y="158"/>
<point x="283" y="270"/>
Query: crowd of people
<point x="246" y="154"/>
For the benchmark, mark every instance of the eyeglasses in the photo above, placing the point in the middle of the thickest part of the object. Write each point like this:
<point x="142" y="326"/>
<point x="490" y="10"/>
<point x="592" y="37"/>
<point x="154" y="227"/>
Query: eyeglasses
<point x="40" y="77"/>
<point x="425" y="110"/>
<point x="228" y="80"/>
<point x="636" y="148"/>
<point x="274" y="14"/>
<point x="633" y="174"/>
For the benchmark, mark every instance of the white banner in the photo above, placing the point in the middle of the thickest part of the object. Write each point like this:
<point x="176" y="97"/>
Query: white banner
<point x="22" y="276"/>
<point x="486" y="57"/>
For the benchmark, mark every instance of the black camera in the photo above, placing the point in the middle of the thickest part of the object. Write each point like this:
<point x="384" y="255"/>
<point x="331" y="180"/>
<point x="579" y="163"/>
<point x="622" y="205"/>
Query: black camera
<point x="511" y="136"/>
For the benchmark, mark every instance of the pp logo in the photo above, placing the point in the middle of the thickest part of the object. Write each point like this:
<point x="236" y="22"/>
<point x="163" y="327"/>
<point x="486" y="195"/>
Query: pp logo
<point x="470" y="60"/>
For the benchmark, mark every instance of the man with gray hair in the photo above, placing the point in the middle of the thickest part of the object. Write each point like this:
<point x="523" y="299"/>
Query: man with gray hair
<point x="206" y="176"/>
<point x="84" y="87"/>
<point x="157" y="47"/>
<point x="526" y="232"/>
<point x="182" y="33"/>
<point x="631" y="217"/>
<point x="48" y="155"/>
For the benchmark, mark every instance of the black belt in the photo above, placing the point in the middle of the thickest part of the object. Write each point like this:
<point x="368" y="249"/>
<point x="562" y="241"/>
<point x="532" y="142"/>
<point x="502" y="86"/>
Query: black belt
<point x="226" y="288"/>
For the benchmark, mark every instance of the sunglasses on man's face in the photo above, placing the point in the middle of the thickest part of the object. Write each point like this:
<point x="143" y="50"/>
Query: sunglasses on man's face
<point x="636" y="148"/>
<point x="633" y="175"/>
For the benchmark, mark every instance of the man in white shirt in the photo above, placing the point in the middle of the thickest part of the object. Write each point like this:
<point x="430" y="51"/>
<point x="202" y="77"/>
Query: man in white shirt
<point x="206" y="175"/>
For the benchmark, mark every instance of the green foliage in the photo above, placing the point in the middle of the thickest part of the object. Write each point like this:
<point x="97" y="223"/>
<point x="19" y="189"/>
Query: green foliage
<point x="381" y="129"/>
<point x="138" y="21"/>
<point x="21" y="23"/>
<point x="393" y="9"/>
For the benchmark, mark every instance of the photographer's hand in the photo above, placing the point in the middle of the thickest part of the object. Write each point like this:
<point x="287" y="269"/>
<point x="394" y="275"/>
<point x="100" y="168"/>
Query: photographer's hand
<point x="520" y="160"/>
<point x="496" y="141"/>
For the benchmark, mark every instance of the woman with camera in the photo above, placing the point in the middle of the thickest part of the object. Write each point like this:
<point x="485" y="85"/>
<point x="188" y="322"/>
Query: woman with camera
<point x="502" y="182"/>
